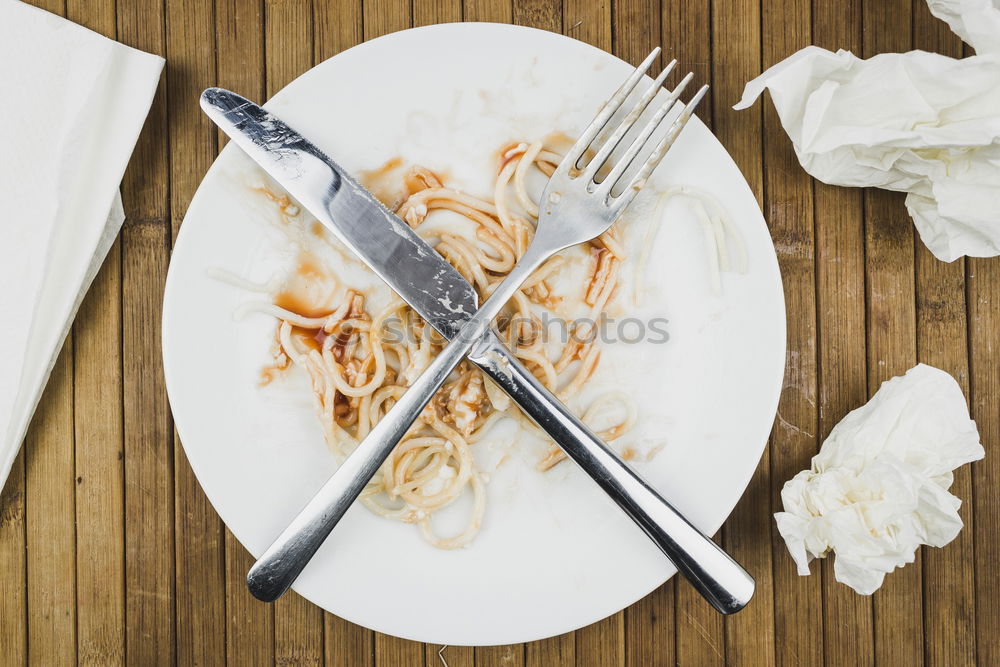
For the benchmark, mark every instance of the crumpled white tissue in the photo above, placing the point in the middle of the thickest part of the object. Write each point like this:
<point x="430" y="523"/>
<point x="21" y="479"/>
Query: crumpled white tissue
<point x="73" y="105"/>
<point x="878" y="489"/>
<point x="977" y="22"/>
<point x="916" y="122"/>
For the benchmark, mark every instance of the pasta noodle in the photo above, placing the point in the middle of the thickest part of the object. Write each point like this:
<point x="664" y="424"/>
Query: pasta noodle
<point x="359" y="366"/>
<point x="717" y="228"/>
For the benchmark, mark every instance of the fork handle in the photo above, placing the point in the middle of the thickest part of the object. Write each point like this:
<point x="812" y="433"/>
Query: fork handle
<point x="720" y="579"/>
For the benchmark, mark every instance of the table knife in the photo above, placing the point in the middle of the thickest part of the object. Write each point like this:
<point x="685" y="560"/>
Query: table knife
<point x="439" y="294"/>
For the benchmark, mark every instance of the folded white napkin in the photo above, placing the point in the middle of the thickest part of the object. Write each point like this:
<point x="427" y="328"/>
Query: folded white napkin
<point x="73" y="105"/>
<point x="878" y="488"/>
<point x="914" y="122"/>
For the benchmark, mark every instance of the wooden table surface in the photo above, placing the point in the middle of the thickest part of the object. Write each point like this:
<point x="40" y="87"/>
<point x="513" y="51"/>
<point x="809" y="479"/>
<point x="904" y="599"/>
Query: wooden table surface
<point x="109" y="551"/>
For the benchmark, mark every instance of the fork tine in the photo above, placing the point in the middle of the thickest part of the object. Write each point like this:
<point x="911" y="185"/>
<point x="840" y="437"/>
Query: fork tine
<point x="668" y="140"/>
<point x="654" y="158"/>
<point x="612" y="143"/>
<point x="640" y="141"/>
<point x="572" y="158"/>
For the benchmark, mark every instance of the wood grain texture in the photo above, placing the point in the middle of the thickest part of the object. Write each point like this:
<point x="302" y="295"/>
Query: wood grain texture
<point x="948" y="573"/>
<point x="429" y="12"/>
<point x="149" y="490"/>
<point x="111" y="553"/>
<point x="298" y="631"/>
<point x="509" y="655"/>
<point x="588" y="21"/>
<point x="494" y="11"/>
<point x="983" y="277"/>
<point x="541" y="14"/>
<point x="347" y="644"/>
<point x="382" y="17"/>
<point x="789" y="212"/>
<point x="337" y="26"/>
<point x="391" y="650"/>
<point x="555" y="651"/>
<point x="453" y="656"/>
<point x="650" y="639"/>
<point x="14" y="577"/>
<point x="100" y="469"/>
<point x="51" y="535"/>
<point x="249" y="623"/>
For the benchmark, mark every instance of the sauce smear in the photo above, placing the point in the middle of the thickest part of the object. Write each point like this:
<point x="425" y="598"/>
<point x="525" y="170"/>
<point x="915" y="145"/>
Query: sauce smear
<point x="309" y="288"/>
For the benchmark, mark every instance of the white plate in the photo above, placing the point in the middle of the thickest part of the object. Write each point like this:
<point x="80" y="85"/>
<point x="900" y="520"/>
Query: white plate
<point x="554" y="553"/>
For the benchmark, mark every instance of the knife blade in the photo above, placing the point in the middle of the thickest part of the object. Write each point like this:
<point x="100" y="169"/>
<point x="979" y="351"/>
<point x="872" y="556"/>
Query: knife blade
<point x="436" y="291"/>
<point x="432" y="286"/>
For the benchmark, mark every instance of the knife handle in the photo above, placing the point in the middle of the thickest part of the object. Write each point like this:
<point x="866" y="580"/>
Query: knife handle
<point x="720" y="579"/>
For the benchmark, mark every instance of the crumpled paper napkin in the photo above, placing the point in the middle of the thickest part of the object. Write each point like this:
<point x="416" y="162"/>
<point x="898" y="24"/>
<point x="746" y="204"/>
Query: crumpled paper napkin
<point x="977" y="22"/>
<point x="915" y="122"/>
<point x="73" y="105"/>
<point x="878" y="489"/>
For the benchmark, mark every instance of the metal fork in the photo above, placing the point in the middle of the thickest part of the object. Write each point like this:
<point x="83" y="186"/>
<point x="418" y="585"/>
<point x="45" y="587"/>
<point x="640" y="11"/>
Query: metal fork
<point x="575" y="207"/>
